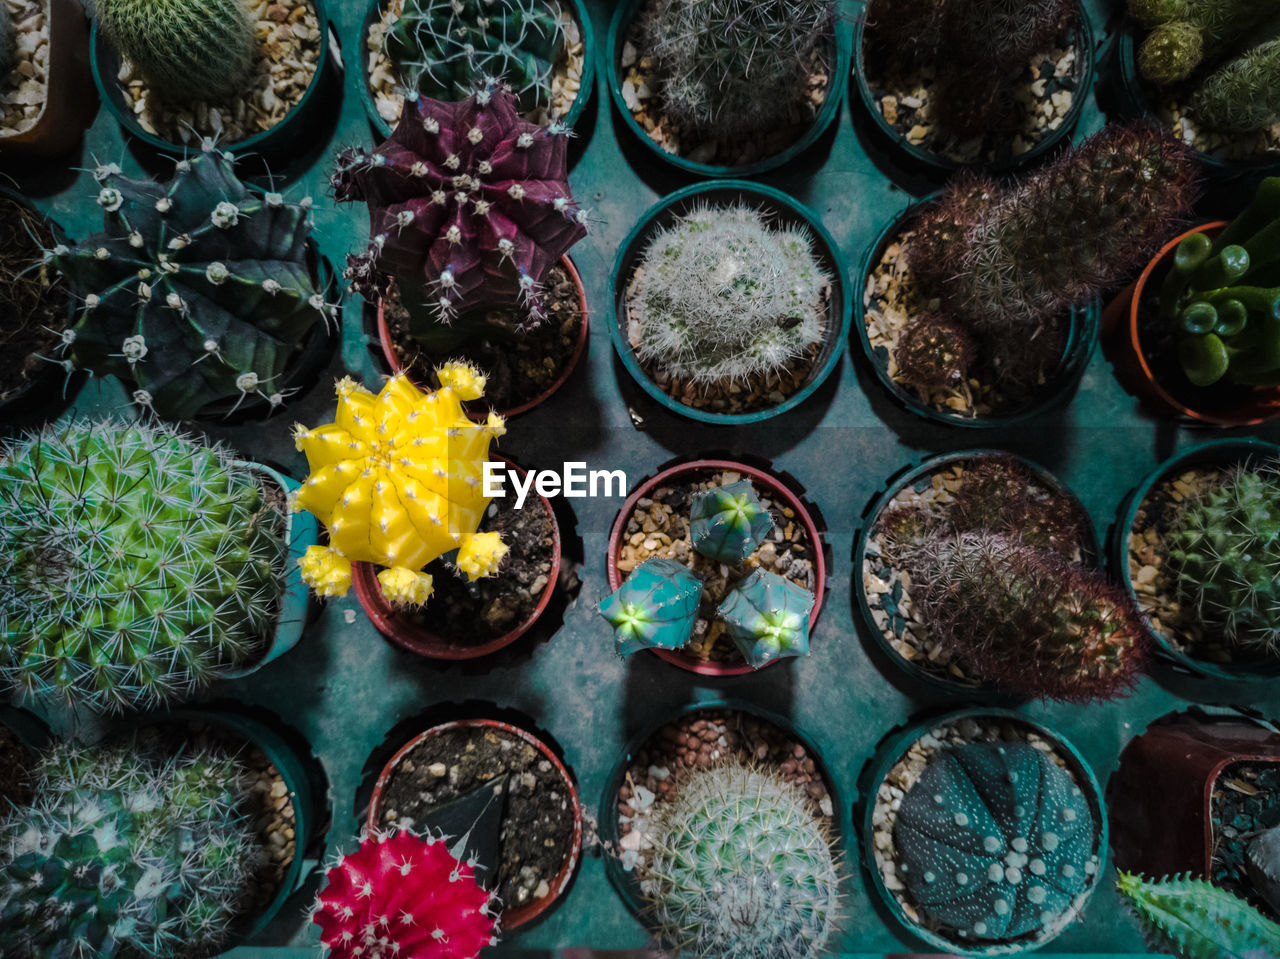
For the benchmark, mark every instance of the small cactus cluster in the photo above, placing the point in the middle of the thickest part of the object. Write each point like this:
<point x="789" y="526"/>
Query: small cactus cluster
<point x="1186" y="34"/>
<point x="1194" y="919"/>
<point x="720" y="296"/>
<point x="1262" y="862"/>
<point x="1224" y="549"/>
<point x="397" y="481"/>
<point x="735" y="68"/>
<point x="188" y="50"/>
<point x="136" y="565"/>
<point x="742" y="868"/>
<point x="1007" y="263"/>
<point x="445" y="49"/>
<point x="126" y="852"/>
<point x="401" y="895"/>
<point x="198" y="291"/>
<point x="469" y="206"/>
<point x="996" y="841"/>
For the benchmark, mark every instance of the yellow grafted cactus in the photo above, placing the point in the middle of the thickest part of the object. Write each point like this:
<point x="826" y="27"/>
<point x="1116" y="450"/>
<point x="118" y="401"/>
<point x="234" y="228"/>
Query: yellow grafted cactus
<point x="397" y="479"/>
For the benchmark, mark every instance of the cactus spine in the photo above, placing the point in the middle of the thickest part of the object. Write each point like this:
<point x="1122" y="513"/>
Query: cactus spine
<point x="654" y="608"/>
<point x="1196" y="920"/>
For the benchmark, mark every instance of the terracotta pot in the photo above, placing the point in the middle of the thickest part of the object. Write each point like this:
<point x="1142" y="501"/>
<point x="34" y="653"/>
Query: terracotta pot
<point x="393" y="357"/>
<point x="779" y="492"/>
<point x="407" y="634"/>
<point x="1122" y="345"/>
<point x="511" y="919"/>
<point x="71" y="102"/>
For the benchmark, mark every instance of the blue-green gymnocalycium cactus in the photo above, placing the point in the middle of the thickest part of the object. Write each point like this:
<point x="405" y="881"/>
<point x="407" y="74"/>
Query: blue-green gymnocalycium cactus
<point x="727" y="523"/>
<point x="1194" y="919"/>
<point x="767" y="617"/>
<point x="136" y="565"/>
<point x="655" y="608"/>
<point x="996" y="841"/>
<point x="198" y="290"/>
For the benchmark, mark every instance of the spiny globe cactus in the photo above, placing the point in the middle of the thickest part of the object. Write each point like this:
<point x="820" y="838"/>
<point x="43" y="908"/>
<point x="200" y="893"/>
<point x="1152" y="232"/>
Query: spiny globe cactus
<point x="1262" y="860"/>
<point x="469" y="206"/>
<point x="1224" y="549"/>
<point x="1186" y="33"/>
<point x="996" y="842"/>
<point x="654" y="608"/>
<point x="127" y="852"/>
<point x="998" y="494"/>
<point x="1242" y="95"/>
<point x="728" y="523"/>
<point x="199" y="289"/>
<point x="722" y="296"/>
<point x="1194" y="919"/>
<point x="186" y="49"/>
<point x="396" y="480"/>
<point x="136" y="565"/>
<point x="767" y="617"/>
<point x="407" y="896"/>
<point x="742" y="868"/>
<point x="446" y="48"/>
<point x="934" y="352"/>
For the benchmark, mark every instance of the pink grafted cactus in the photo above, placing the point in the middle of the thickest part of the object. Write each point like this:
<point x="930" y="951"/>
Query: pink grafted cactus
<point x="469" y="205"/>
<point x="403" y="897"/>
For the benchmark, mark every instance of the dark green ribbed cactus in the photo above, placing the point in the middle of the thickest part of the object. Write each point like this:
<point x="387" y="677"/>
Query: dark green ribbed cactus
<point x="1262" y="860"/>
<point x="741" y="869"/>
<point x="727" y="523"/>
<point x="1244" y="94"/>
<point x="767" y="617"/>
<point x="1187" y="33"/>
<point x="996" y="841"/>
<point x="136" y="566"/>
<point x="445" y="49"/>
<point x="198" y="291"/>
<point x="1224" y="548"/>
<point x="127" y="853"/>
<point x="186" y="49"/>
<point x="1194" y="919"/>
<point x="655" y="607"/>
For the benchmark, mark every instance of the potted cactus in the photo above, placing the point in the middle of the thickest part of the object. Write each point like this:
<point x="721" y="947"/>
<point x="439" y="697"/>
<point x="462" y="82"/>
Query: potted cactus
<point x="758" y="340"/>
<point x="978" y="303"/>
<point x="976" y="83"/>
<point x="207" y="298"/>
<point x="470" y="218"/>
<point x="721" y="88"/>
<point x="1191" y="918"/>
<point x="140" y="566"/>
<point x="541" y="49"/>
<point x="983" y="833"/>
<point x="45" y="85"/>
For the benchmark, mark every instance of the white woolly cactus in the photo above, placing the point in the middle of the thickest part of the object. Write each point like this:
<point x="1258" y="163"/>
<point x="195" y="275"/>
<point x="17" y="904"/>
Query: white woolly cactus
<point x="723" y="296"/>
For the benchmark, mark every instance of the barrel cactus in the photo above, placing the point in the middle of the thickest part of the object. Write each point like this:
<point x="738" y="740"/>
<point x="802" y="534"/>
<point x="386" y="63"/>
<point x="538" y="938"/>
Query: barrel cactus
<point x="996" y="842"/>
<point x="127" y="852"/>
<point x="727" y="523"/>
<point x="654" y="608"/>
<point x="767" y="617"/>
<point x="1194" y="919"/>
<point x="742" y="868"/>
<point x="186" y="49"/>
<point x="199" y="289"/>
<point x="136" y="565"/>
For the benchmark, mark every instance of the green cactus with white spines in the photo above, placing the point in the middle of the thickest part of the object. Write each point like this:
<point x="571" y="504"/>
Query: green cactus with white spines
<point x="728" y="523"/>
<point x="188" y="50"/>
<point x="445" y="49"/>
<point x="1243" y="95"/>
<point x="199" y="289"/>
<point x="126" y="853"/>
<point x="767" y="617"/>
<point x="996" y="841"/>
<point x="655" y="608"/>
<point x="742" y="868"/>
<point x="136" y="566"/>
<point x="1194" y="919"/>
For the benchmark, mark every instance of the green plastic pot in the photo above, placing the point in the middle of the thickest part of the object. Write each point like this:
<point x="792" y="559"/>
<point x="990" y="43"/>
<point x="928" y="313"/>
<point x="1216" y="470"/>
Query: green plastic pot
<point x="911" y="476"/>
<point x="935" y="163"/>
<point x="1228" y="451"/>
<point x="893" y="748"/>
<point x="570" y="119"/>
<point x="626" y="11"/>
<point x="1081" y="341"/>
<point x="281" y="142"/>
<point x="784" y="210"/>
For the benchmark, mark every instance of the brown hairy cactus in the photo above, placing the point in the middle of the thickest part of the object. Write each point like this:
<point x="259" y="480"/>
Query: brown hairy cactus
<point x="933" y="352"/>
<point x="998" y="495"/>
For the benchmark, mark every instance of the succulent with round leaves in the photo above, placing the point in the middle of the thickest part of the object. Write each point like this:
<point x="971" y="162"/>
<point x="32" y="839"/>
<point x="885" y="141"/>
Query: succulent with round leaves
<point x="767" y="617"/>
<point x="127" y="852"/>
<point x="742" y="868"/>
<point x="198" y="291"/>
<point x="1194" y="919"/>
<point x="996" y="841"/>
<point x="722" y="296"/>
<point x="727" y="523"/>
<point x="445" y="49"/>
<point x="1188" y="33"/>
<point x="136" y="565"/>
<point x="1243" y="95"/>
<point x="654" y="608"/>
